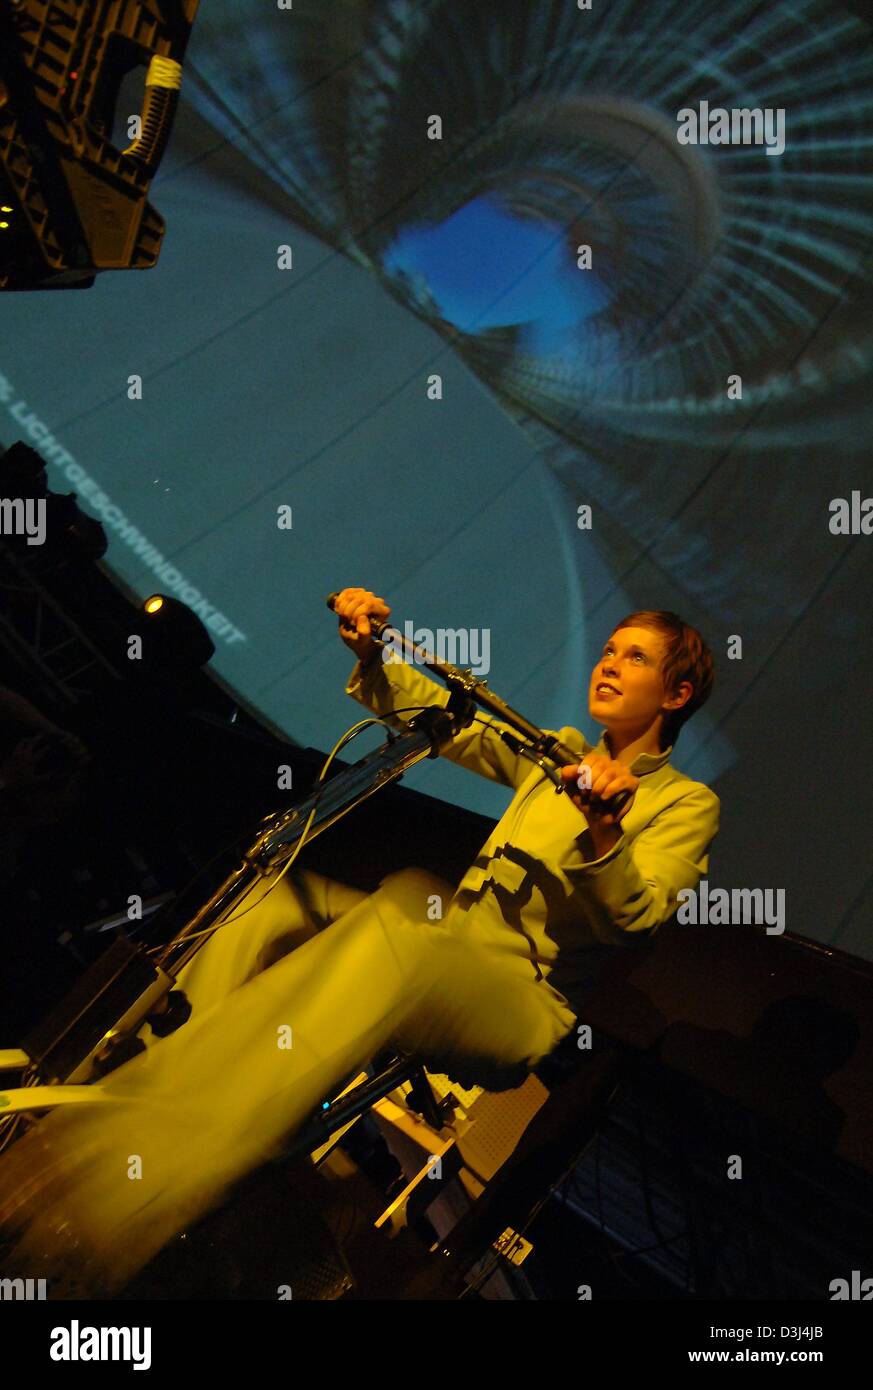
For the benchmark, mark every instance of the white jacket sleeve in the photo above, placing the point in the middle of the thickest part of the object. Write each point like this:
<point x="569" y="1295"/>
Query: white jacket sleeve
<point x="386" y="687"/>
<point x="636" y="884"/>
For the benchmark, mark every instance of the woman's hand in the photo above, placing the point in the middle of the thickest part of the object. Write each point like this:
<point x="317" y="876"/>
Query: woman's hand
<point x="354" y="608"/>
<point x="591" y="785"/>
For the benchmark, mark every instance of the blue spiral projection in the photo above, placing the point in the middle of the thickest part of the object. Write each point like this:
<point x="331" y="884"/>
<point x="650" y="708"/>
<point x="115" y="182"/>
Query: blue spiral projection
<point x="559" y="130"/>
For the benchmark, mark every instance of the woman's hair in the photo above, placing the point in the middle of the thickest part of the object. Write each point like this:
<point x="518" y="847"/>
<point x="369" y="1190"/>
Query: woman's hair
<point x="687" y="658"/>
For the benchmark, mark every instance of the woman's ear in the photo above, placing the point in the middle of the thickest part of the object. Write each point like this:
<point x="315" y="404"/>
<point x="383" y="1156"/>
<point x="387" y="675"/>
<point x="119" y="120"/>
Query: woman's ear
<point x="680" y="696"/>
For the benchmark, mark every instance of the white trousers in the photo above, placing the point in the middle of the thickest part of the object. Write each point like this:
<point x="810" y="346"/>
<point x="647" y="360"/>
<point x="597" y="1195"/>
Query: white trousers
<point x="288" y="1002"/>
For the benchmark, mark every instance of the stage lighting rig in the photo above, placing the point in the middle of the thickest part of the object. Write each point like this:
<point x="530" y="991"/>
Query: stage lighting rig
<point x="71" y="203"/>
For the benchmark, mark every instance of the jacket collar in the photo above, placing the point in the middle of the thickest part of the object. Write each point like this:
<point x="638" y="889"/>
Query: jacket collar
<point x="643" y="762"/>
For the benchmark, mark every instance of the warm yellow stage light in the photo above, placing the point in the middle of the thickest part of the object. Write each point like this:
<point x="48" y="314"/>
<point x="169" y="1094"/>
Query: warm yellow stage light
<point x="153" y="604"/>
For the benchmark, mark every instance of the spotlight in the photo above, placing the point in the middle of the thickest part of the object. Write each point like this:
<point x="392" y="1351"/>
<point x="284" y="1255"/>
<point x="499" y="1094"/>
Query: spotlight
<point x="179" y="636"/>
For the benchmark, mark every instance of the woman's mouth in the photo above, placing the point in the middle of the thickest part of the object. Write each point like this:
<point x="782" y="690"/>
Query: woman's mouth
<point x="604" y="688"/>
